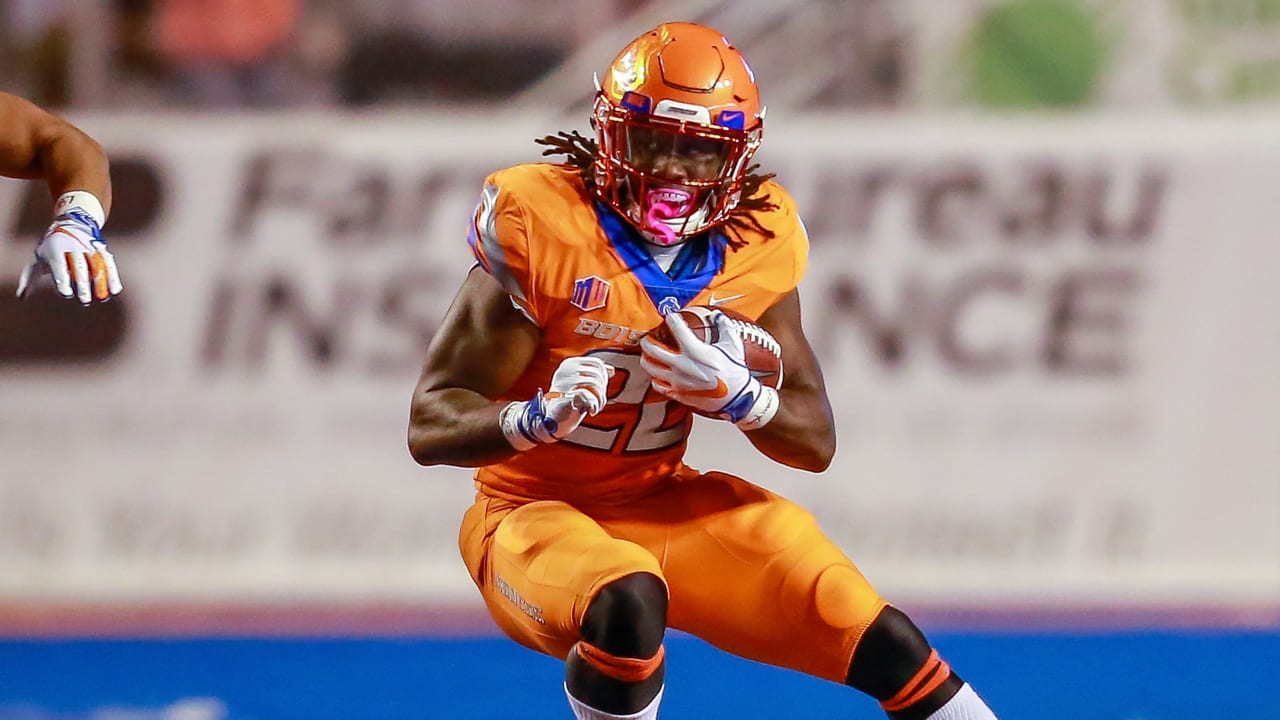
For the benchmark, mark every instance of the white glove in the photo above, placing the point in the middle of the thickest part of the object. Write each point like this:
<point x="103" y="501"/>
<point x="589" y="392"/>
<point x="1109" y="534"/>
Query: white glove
<point x="73" y="251"/>
<point x="579" y="388"/>
<point x="710" y="378"/>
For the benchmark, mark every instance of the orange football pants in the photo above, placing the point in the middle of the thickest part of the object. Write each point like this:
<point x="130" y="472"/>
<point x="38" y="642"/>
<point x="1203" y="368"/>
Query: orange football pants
<point x="746" y="570"/>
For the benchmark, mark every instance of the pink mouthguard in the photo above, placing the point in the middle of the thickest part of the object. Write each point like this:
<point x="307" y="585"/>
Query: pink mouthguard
<point x="665" y="204"/>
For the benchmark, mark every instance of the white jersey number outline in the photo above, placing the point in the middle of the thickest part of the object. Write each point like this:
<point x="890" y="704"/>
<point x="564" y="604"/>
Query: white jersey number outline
<point x="648" y="434"/>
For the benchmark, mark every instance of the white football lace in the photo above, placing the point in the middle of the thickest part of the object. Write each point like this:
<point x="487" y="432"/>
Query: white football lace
<point x="758" y="335"/>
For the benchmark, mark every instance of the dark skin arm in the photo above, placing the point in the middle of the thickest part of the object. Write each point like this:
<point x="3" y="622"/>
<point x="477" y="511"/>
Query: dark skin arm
<point x="802" y="434"/>
<point x="482" y="346"/>
<point x="35" y="145"/>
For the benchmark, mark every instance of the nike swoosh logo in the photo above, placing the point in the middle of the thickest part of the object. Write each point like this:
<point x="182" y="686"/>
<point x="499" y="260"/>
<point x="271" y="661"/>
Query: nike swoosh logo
<point x="719" y="391"/>
<point x="714" y="301"/>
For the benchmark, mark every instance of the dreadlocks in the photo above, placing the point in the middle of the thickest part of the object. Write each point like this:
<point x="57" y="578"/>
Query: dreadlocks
<point x="581" y="152"/>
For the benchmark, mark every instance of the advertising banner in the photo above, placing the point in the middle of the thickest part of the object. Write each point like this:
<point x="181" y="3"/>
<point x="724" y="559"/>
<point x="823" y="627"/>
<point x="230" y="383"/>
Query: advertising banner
<point x="1051" y="348"/>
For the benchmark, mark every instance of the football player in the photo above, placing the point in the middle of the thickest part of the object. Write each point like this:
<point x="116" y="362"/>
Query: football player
<point x="589" y="536"/>
<point x="35" y="144"/>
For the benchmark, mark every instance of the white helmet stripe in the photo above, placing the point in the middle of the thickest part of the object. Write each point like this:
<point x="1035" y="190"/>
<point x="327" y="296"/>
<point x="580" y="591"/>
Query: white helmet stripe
<point x="687" y="112"/>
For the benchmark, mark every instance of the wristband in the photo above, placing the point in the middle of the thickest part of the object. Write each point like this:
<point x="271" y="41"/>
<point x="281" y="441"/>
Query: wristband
<point x="762" y="410"/>
<point x="509" y="419"/>
<point x="84" y="201"/>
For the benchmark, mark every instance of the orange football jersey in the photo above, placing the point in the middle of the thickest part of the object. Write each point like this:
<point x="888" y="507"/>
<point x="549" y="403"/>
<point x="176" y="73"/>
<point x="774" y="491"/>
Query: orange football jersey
<point x="581" y="273"/>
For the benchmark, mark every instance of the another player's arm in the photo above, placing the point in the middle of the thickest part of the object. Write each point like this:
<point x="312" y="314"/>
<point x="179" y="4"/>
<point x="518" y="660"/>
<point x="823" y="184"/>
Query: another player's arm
<point x="482" y="346"/>
<point x="802" y="433"/>
<point x="35" y="145"/>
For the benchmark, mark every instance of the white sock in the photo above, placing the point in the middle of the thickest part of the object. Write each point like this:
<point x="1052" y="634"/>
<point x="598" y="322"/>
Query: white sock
<point x="583" y="711"/>
<point x="965" y="705"/>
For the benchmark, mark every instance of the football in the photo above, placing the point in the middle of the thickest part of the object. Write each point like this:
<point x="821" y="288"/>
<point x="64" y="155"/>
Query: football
<point x="763" y="353"/>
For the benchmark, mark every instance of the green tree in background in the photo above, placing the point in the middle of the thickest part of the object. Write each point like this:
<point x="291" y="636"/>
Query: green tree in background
<point x="1036" y="54"/>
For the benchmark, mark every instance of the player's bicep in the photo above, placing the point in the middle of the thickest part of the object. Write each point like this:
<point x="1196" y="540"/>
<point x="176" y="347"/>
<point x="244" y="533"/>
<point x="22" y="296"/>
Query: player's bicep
<point x="484" y="343"/>
<point x="800" y="369"/>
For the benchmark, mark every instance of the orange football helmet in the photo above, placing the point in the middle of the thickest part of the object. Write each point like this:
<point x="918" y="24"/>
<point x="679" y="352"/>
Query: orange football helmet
<point x="677" y="119"/>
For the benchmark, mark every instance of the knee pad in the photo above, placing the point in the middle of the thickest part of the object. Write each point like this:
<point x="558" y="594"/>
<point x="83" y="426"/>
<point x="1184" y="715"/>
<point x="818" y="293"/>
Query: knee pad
<point x="894" y="663"/>
<point x="622" y="669"/>
<point x="845" y="600"/>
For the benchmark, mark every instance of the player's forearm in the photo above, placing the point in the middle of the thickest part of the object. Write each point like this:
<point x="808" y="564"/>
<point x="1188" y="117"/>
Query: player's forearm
<point x="801" y="434"/>
<point x="38" y="145"/>
<point x="70" y="160"/>
<point x="456" y="427"/>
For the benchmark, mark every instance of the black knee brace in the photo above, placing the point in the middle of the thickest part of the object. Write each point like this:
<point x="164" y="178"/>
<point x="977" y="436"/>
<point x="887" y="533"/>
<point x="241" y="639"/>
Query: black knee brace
<point x="628" y="617"/>
<point x="891" y="654"/>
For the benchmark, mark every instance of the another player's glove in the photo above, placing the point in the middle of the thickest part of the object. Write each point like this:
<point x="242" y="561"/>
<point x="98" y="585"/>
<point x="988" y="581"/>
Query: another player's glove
<point x="710" y="378"/>
<point x="579" y="388"/>
<point x="73" y="251"/>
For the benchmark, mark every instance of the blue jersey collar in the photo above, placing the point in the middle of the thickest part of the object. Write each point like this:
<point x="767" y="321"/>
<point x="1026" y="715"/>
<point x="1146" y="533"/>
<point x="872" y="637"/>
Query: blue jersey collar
<point x="700" y="260"/>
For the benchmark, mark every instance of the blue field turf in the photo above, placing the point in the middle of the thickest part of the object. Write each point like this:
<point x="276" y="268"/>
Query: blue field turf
<point x="1180" y="675"/>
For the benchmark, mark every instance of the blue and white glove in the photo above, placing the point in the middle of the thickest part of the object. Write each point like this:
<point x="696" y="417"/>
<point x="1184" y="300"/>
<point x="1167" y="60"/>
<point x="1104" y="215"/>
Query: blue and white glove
<point x="710" y="378"/>
<point x="74" y="253"/>
<point x="579" y="388"/>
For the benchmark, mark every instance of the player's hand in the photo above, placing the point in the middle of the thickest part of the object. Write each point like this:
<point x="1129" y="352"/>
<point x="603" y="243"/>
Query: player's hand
<point x="578" y="389"/>
<point x="74" y="253"/>
<point x="710" y="378"/>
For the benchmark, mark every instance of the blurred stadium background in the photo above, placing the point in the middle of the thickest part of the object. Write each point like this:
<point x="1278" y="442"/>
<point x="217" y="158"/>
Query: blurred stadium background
<point x="1043" y="290"/>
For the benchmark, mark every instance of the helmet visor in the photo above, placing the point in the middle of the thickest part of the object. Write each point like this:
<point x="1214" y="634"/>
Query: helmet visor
<point x="664" y="154"/>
